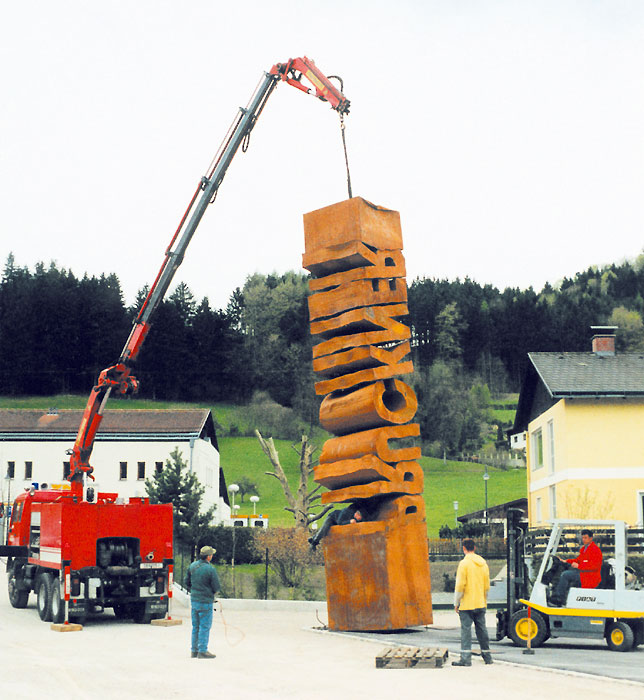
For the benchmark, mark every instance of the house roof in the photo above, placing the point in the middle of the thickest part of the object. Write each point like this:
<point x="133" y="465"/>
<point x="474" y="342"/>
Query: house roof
<point x="498" y="510"/>
<point x="552" y="376"/>
<point x="587" y="374"/>
<point x="33" y="424"/>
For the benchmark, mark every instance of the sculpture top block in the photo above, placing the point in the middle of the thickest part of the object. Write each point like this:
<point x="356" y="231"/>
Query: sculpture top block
<point x="354" y="219"/>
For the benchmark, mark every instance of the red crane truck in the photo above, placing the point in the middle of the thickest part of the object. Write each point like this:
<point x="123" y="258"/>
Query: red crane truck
<point x="82" y="552"/>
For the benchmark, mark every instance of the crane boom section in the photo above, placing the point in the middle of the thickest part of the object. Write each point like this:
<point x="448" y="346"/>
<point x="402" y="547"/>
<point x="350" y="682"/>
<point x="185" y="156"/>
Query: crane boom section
<point x="118" y="377"/>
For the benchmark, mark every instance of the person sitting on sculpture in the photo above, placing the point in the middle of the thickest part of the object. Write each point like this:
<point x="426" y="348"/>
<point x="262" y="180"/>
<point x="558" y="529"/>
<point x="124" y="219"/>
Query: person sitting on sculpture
<point x="354" y="513"/>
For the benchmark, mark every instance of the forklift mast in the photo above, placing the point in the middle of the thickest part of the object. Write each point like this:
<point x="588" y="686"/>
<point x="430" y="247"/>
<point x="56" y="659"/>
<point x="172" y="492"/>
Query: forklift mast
<point x="517" y="577"/>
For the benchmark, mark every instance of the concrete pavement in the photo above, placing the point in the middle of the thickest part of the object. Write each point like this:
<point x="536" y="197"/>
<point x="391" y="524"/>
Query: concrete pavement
<point x="271" y="651"/>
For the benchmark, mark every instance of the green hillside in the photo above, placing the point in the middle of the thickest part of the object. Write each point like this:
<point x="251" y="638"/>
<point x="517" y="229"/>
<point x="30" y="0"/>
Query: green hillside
<point x="242" y="456"/>
<point x="444" y="482"/>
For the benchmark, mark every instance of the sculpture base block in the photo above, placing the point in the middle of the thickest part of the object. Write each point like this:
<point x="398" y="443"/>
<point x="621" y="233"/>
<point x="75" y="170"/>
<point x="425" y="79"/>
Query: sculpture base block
<point x="377" y="576"/>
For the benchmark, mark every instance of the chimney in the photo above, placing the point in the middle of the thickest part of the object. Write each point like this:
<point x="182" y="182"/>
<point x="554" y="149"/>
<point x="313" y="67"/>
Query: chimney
<point x="604" y="340"/>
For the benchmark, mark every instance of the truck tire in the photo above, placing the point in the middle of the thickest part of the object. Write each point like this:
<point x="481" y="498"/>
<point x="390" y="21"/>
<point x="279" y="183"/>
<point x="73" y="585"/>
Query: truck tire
<point x="43" y="596"/>
<point x="638" y="632"/>
<point x="619" y="636"/>
<point x="122" y="611"/>
<point x="140" y="616"/>
<point x="18" y="597"/>
<point x="520" y="628"/>
<point x="57" y="603"/>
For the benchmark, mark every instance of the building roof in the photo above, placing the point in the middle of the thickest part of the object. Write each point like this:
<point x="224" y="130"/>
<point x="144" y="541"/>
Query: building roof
<point x="587" y="374"/>
<point x="34" y="424"/>
<point x="552" y="376"/>
<point x="497" y="511"/>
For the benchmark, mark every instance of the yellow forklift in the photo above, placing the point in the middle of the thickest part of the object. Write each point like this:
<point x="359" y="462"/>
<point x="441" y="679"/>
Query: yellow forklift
<point x="614" y="610"/>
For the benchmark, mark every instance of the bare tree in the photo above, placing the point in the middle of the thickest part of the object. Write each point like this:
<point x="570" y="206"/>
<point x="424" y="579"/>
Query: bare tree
<point x="304" y="500"/>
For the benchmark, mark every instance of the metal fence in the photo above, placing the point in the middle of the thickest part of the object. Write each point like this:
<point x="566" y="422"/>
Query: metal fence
<point x="535" y="544"/>
<point x="441" y="549"/>
<point x="537" y="539"/>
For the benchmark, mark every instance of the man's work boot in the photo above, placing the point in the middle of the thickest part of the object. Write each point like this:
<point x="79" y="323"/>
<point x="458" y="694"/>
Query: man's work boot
<point x="487" y="657"/>
<point x="194" y="654"/>
<point x="461" y="662"/>
<point x="205" y="655"/>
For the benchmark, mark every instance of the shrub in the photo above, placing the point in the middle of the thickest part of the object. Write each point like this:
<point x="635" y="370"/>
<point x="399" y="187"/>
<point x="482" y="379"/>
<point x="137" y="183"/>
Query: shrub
<point x="288" y="553"/>
<point x="221" y="538"/>
<point x="270" y="418"/>
<point x="449" y="583"/>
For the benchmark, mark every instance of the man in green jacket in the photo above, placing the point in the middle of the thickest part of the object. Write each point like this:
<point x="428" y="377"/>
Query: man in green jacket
<point x="470" y="602"/>
<point x="203" y="583"/>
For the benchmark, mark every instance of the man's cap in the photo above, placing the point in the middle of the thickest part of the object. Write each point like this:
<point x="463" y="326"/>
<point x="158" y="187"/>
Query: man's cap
<point x="207" y="551"/>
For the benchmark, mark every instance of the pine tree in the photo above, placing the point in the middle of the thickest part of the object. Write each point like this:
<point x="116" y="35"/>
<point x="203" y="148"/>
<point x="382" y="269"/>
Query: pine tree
<point x="177" y="485"/>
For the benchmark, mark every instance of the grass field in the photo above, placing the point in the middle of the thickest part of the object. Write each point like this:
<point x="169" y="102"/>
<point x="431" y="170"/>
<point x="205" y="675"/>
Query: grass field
<point x="444" y="482"/>
<point x="242" y="456"/>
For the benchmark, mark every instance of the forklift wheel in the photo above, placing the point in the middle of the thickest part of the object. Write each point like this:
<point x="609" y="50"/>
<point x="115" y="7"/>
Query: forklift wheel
<point x="638" y="632"/>
<point x="619" y="636"/>
<point x="520" y="628"/>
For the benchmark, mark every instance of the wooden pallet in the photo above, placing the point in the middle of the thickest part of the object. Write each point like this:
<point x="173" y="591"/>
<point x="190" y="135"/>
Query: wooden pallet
<point x="411" y="657"/>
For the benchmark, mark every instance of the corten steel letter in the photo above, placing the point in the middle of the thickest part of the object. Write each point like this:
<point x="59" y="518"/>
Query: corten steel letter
<point x="377" y="570"/>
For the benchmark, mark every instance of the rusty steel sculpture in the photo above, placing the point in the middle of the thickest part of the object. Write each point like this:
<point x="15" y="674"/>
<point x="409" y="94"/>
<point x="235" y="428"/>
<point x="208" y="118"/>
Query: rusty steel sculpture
<point x="377" y="570"/>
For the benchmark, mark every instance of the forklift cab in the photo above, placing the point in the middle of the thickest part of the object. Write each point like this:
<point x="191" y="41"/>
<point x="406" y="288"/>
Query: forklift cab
<point x="605" y="595"/>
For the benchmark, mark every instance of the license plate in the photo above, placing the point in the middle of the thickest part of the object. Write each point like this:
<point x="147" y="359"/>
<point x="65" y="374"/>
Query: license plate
<point x="151" y="565"/>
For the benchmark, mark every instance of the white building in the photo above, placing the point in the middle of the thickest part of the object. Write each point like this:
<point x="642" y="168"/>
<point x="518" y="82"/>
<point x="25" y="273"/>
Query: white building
<point x="130" y="446"/>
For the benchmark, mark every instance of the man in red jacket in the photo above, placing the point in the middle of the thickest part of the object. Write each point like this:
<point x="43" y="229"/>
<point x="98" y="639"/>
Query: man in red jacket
<point x="585" y="571"/>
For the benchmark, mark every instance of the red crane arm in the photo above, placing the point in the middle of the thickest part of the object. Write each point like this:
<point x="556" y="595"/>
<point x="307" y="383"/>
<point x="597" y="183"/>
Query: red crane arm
<point x="118" y="377"/>
<point x="295" y="69"/>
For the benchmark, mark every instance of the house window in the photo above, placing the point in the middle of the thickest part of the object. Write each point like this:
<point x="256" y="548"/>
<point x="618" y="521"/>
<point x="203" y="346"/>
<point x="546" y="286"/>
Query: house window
<point x="553" y="502"/>
<point x="140" y="470"/>
<point x="11" y="470"/>
<point x="67" y="469"/>
<point x="123" y="471"/>
<point x="551" y="445"/>
<point x="537" y="449"/>
<point x="158" y="467"/>
<point x="29" y="470"/>
<point x="537" y="508"/>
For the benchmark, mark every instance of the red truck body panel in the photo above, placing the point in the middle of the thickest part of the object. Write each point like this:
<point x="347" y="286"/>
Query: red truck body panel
<point x="57" y="529"/>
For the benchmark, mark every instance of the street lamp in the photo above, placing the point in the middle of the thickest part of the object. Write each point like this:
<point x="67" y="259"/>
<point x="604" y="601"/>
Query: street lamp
<point x="254" y="500"/>
<point x="456" y="513"/>
<point x="233" y="488"/>
<point x="486" y="478"/>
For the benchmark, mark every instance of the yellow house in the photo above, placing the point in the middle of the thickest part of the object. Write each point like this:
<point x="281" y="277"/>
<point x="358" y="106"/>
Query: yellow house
<point x="583" y="419"/>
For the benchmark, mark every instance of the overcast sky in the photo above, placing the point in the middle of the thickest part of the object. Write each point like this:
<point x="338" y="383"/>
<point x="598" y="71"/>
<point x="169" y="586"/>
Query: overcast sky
<point x="509" y="135"/>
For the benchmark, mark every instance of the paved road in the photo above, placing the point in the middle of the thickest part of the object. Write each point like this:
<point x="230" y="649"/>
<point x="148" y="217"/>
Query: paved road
<point x="580" y="656"/>
<point x="263" y="654"/>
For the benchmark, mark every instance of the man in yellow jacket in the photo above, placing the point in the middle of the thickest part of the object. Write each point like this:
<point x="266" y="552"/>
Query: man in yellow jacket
<point x="470" y="602"/>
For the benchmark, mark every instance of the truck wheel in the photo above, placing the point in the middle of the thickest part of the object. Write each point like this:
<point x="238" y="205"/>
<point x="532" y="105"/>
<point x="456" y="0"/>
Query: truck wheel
<point x="122" y="611"/>
<point x="57" y="604"/>
<point x="619" y="636"/>
<point x="140" y="616"/>
<point x="17" y="596"/>
<point x="521" y="628"/>
<point x="638" y="632"/>
<point x="43" y="593"/>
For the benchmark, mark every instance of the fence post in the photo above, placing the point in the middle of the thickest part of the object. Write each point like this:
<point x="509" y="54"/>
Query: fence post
<point x="266" y="576"/>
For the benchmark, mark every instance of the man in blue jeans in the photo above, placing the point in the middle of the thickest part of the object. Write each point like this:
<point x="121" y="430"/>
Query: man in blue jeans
<point x="203" y="583"/>
<point x="470" y="602"/>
